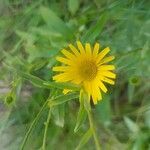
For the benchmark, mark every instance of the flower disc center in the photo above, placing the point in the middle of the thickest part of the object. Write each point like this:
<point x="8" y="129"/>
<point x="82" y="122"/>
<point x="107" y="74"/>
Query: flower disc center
<point x="88" y="70"/>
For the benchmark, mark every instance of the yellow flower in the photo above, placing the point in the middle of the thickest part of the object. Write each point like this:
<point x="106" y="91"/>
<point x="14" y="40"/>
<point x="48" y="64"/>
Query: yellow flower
<point x="87" y="67"/>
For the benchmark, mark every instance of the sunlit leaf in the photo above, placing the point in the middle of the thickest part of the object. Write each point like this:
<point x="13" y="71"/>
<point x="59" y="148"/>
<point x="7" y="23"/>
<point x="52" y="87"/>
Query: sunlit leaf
<point x="82" y="114"/>
<point x="55" y="23"/>
<point x="62" y="99"/>
<point x="85" y="139"/>
<point x="95" y="30"/>
<point x="58" y="114"/>
<point x="73" y="6"/>
<point x="132" y="126"/>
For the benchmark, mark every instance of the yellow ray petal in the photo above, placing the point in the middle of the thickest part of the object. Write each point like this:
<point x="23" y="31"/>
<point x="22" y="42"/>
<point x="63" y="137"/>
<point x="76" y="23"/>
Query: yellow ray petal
<point x="96" y="94"/>
<point x="80" y="47"/>
<point x="77" y="79"/>
<point x="102" y="54"/>
<point x="63" y="77"/>
<point x="60" y="68"/>
<point x="64" y="60"/>
<point x="74" y="50"/>
<point x="106" y="67"/>
<point x="96" y="49"/>
<point x="102" y="86"/>
<point x="107" y="80"/>
<point x="94" y="99"/>
<point x="100" y="95"/>
<point x="68" y="54"/>
<point x="88" y="48"/>
<point x="87" y="87"/>
<point x="106" y="60"/>
<point x="108" y="74"/>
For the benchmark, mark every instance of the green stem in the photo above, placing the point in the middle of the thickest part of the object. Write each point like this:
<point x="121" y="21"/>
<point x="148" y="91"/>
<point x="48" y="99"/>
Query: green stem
<point x="32" y="125"/>
<point x="46" y="129"/>
<point x="93" y="130"/>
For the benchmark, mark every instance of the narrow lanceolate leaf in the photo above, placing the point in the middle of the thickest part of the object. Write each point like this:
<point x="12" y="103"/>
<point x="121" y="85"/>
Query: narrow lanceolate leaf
<point x="58" y="115"/>
<point x="81" y="113"/>
<point x="133" y="127"/>
<point x="84" y="139"/>
<point x="73" y="6"/>
<point x="62" y="85"/>
<point x="55" y="23"/>
<point x="131" y="91"/>
<point x="80" y="118"/>
<point x="62" y="99"/>
<point x="46" y="84"/>
<point x="95" y="30"/>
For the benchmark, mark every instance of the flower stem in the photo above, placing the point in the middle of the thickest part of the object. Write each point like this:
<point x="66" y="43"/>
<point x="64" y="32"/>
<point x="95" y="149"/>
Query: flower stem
<point x="32" y="125"/>
<point x="46" y="129"/>
<point x="93" y="130"/>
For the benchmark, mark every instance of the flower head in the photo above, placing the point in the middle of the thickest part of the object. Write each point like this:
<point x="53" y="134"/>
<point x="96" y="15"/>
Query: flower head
<point x="87" y="67"/>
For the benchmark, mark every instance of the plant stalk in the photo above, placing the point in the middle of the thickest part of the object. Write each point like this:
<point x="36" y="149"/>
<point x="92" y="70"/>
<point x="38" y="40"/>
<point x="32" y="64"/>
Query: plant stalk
<point x="46" y="129"/>
<point x="32" y="125"/>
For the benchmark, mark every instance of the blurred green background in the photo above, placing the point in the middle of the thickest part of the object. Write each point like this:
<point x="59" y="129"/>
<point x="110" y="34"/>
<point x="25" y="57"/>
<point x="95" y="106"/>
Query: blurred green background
<point x="32" y="32"/>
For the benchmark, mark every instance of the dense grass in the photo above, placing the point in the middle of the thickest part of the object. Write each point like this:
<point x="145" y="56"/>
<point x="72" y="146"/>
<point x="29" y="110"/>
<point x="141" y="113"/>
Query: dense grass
<point x="33" y="33"/>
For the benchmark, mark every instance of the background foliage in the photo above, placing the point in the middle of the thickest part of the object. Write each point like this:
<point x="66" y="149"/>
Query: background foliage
<point x="32" y="34"/>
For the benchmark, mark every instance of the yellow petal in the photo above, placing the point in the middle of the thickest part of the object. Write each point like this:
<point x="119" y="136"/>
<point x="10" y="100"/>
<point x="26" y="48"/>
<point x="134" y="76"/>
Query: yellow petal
<point x="102" y="54"/>
<point x="106" y="67"/>
<point x="108" y="74"/>
<point x="74" y="50"/>
<point x="77" y="79"/>
<point x="80" y="47"/>
<point x="87" y="87"/>
<point x="96" y="94"/>
<point x="102" y="86"/>
<point x="94" y="99"/>
<point x="68" y="54"/>
<point x="107" y="80"/>
<point x="96" y="49"/>
<point x="64" y="60"/>
<point x="88" y="48"/>
<point x="60" y="68"/>
<point x="107" y="59"/>
<point x="63" y="77"/>
<point x="100" y="95"/>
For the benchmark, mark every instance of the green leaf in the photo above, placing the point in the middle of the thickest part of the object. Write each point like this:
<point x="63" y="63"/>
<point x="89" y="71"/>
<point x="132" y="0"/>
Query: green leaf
<point x="58" y="114"/>
<point x="132" y="126"/>
<point x="38" y="63"/>
<point x="81" y="117"/>
<point x="62" y="99"/>
<point x="5" y="120"/>
<point x="85" y="100"/>
<point x="44" y="31"/>
<point x="46" y="84"/>
<point x="131" y="91"/>
<point x="62" y="85"/>
<point x="55" y="23"/>
<point x="25" y="35"/>
<point x="95" y="30"/>
<point x="146" y="117"/>
<point x="84" y="139"/>
<point x="73" y="6"/>
<point x="104" y="110"/>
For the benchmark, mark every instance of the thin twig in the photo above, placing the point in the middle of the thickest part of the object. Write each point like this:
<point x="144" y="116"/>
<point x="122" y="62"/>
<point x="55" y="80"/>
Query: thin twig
<point x="46" y="129"/>
<point x="93" y="131"/>
<point x="32" y="125"/>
